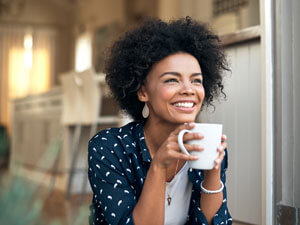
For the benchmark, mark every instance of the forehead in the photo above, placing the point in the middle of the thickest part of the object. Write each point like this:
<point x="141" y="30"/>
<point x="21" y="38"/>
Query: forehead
<point x="179" y="62"/>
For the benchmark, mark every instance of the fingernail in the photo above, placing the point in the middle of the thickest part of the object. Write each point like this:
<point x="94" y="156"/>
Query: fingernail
<point x="191" y="123"/>
<point x="185" y="123"/>
<point x="217" y="167"/>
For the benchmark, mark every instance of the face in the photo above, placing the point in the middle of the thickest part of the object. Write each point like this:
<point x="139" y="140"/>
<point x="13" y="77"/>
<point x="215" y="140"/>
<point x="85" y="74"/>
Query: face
<point x="173" y="89"/>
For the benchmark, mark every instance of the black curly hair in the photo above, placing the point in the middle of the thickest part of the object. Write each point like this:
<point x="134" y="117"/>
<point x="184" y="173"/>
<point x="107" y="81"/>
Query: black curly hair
<point x="133" y="55"/>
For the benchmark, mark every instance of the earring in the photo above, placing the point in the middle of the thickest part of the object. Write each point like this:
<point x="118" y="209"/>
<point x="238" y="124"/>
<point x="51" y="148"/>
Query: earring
<point x="145" y="111"/>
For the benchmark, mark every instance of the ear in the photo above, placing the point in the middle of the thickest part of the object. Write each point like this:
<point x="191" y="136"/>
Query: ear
<point x="142" y="94"/>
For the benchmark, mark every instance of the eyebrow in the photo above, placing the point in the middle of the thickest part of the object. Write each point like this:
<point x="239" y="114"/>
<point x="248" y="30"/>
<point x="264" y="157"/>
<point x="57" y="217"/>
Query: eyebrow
<point x="178" y="74"/>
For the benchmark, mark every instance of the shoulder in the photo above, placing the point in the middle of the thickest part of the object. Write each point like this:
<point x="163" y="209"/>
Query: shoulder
<point x="112" y="149"/>
<point x="113" y="138"/>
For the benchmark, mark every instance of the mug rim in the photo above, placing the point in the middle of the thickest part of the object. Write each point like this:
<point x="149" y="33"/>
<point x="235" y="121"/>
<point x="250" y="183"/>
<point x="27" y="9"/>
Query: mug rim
<point x="196" y="123"/>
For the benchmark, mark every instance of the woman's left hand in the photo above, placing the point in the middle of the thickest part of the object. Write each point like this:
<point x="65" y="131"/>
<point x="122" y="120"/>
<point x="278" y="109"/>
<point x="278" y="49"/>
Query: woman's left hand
<point x="221" y="150"/>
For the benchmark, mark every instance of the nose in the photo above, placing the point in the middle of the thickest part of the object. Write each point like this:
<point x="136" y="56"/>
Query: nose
<point x="187" y="89"/>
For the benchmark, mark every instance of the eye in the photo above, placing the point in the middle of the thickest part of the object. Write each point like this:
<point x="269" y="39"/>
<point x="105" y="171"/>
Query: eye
<point x="171" y="80"/>
<point x="197" y="81"/>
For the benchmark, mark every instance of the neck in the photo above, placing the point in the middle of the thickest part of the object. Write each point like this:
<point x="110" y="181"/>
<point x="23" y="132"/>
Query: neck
<point x="156" y="132"/>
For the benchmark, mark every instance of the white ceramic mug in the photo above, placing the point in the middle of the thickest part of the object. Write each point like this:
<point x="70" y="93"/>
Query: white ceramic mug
<point x="212" y="138"/>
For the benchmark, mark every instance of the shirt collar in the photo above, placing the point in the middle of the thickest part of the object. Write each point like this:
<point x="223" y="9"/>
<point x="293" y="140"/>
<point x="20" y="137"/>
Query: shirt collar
<point x="140" y="139"/>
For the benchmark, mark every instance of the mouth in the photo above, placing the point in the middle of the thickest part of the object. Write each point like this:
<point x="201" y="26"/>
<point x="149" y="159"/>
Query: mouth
<point x="185" y="106"/>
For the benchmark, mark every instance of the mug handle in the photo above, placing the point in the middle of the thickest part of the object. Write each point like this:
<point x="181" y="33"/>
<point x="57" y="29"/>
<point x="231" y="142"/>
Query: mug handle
<point x="180" y="140"/>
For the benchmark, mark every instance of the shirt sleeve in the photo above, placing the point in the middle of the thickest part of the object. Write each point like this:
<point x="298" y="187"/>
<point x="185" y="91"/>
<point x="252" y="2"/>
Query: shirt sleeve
<point x="113" y="197"/>
<point x="222" y="216"/>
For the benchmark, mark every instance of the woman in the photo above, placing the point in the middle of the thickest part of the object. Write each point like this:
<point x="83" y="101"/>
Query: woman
<point x="161" y="74"/>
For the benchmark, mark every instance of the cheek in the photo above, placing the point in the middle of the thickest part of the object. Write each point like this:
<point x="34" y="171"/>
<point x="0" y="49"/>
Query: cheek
<point x="165" y="93"/>
<point x="201" y="93"/>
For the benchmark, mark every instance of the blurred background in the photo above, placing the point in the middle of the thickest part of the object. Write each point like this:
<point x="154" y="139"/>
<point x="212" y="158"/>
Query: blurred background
<point x="53" y="98"/>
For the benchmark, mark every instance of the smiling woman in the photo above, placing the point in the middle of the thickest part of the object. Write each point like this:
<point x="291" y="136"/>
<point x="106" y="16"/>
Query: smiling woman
<point x="161" y="74"/>
<point x="133" y="56"/>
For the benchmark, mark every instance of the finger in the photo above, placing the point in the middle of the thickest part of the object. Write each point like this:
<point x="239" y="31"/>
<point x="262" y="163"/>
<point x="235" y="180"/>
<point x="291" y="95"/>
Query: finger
<point x="221" y="152"/>
<point x="222" y="147"/>
<point x="183" y="126"/>
<point x="218" y="162"/>
<point x="223" y="138"/>
<point x="190" y="147"/>
<point x="219" y="159"/>
<point x="173" y="146"/>
<point x="221" y="155"/>
<point x="185" y="157"/>
<point x="192" y="136"/>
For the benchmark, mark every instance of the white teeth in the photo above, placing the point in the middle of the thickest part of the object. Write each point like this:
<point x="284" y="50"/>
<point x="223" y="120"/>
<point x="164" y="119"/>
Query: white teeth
<point x="184" y="104"/>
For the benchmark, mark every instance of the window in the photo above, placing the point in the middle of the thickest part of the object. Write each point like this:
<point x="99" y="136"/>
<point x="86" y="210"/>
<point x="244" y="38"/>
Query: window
<point x="28" y="69"/>
<point x="83" y="52"/>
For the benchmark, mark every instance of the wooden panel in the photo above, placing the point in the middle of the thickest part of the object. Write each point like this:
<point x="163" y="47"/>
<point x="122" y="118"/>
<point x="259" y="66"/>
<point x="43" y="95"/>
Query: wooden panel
<point x="244" y="35"/>
<point x="241" y="116"/>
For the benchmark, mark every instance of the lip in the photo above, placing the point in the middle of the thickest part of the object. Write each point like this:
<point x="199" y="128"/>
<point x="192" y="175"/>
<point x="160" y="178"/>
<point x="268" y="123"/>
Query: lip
<point x="183" y="100"/>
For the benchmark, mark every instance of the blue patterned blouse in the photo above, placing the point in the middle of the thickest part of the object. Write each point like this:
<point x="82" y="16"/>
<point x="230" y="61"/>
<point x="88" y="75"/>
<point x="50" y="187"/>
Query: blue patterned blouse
<point x="118" y="163"/>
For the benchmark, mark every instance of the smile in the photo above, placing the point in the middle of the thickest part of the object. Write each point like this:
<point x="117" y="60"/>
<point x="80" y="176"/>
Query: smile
<point x="184" y="104"/>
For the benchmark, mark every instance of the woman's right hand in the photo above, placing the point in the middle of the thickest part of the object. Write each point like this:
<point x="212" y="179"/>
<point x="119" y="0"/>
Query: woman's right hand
<point x="169" y="151"/>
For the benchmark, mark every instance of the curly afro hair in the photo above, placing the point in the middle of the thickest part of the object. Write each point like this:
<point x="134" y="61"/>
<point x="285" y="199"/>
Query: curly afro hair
<point x="133" y="55"/>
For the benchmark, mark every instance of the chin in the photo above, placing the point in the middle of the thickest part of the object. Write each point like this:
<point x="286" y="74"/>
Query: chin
<point x="186" y="119"/>
<point x="180" y="118"/>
